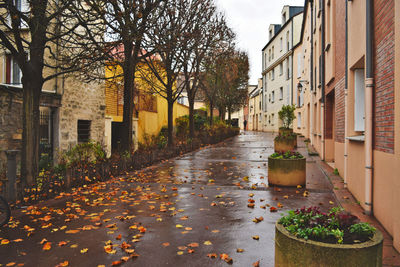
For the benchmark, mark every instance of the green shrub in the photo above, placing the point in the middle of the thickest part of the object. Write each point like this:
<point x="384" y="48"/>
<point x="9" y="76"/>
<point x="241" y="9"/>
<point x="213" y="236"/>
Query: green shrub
<point x="286" y="115"/>
<point x="287" y="155"/>
<point x="85" y="152"/>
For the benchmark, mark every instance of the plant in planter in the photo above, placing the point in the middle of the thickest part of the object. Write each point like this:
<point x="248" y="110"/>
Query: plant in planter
<point x="309" y="237"/>
<point x="286" y="115"/>
<point x="286" y="140"/>
<point x="286" y="169"/>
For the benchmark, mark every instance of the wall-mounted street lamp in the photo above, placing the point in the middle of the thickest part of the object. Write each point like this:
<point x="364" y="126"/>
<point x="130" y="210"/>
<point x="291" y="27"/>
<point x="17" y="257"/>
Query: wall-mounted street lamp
<point x="300" y="86"/>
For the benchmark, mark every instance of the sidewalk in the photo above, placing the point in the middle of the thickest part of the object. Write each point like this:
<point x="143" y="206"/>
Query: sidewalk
<point x="390" y="256"/>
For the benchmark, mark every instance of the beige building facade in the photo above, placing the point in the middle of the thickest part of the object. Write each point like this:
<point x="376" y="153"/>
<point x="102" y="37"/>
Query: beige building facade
<point x="277" y="60"/>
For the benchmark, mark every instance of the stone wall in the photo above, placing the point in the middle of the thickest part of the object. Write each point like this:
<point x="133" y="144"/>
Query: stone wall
<point x="80" y="101"/>
<point x="10" y="123"/>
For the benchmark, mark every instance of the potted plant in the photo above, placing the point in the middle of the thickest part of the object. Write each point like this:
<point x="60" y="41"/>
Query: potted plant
<point x="286" y="115"/>
<point x="286" y="169"/>
<point x="286" y="140"/>
<point x="309" y="237"/>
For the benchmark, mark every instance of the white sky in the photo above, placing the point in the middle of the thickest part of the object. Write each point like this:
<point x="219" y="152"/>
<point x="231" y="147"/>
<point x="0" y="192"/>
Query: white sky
<point x="250" y="20"/>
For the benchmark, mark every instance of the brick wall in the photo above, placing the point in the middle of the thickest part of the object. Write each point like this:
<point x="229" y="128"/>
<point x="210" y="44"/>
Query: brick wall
<point x="340" y="110"/>
<point x="384" y="75"/>
<point x="338" y="84"/>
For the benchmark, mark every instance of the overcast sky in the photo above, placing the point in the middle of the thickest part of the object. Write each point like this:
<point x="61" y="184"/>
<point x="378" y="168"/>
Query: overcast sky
<point x="250" y="20"/>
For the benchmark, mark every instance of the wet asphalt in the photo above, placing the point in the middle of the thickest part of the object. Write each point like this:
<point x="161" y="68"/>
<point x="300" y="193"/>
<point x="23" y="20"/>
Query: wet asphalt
<point x="181" y="212"/>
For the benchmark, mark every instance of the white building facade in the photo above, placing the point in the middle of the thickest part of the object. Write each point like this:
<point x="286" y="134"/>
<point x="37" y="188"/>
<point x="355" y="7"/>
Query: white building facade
<point x="277" y="66"/>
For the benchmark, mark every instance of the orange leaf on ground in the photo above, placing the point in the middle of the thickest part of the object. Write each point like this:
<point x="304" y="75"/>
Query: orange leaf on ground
<point x="166" y="244"/>
<point x="47" y="246"/>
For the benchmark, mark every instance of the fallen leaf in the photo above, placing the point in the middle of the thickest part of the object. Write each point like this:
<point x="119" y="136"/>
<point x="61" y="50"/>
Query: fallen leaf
<point x="84" y="250"/>
<point x="239" y="250"/>
<point x="179" y="226"/>
<point x="193" y="245"/>
<point x="273" y="209"/>
<point x="180" y="253"/>
<point x="5" y="241"/>
<point x="116" y="263"/>
<point x="166" y="244"/>
<point x="62" y="243"/>
<point x="207" y="243"/>
<point x="259" y="219"/>
<point x="212" y="255"/>
<point x="47" y="246"/>
<point x="10" y="264"/>
<point x="256" y="264"/>
<point x="190" y="251"/>
<point x="256" y="237"/>
<point x="63" y="264"/>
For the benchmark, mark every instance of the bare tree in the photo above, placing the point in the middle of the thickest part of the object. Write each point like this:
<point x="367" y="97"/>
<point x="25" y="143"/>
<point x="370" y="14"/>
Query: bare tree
<point x="46" y="40"/>
<point x="213" y="68"/>
<point x="233" y="92"/>
<point x="126" y="23"/>
<point x="209" y="30"/>
<point x="171" y="37"/>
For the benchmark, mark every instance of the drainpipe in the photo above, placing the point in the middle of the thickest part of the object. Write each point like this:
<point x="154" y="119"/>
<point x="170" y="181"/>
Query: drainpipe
<point x="311" y="73"/>
<point x="291" y="48"/>
<point x="322" y="70"/>
<point x="369" y="87"/>
<point x="346" y="110"/>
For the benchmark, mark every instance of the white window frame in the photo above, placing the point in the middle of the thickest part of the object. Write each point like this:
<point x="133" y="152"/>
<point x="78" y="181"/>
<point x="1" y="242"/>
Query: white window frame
<point x="359" y="100"/>
<point x="281" y="93"/>
<point x="12" y="63"/>
<point x="299" y="120"/>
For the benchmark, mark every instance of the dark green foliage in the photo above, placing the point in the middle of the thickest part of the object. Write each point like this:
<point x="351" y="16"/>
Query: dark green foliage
<point x="336" y="226"/>
<point x="182" y="124"/>
<point x="287" y="155"/>
<point x="286" y="115"/>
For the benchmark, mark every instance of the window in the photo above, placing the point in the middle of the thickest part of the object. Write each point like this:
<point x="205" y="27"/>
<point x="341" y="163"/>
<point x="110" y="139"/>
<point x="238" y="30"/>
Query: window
<point x="273" y="97"/>
<point x="12" y="71"/>
<point x="299" y="64"/>
<point x="283" y="18"/>
<point x="273" y="52"/>
<point x="281" y="93"/>
<point x="287" y="41"/>
<point x="281" y="69"/>
<point x="288" y="65"/>
<point x="269" y="55"/>
<point x="359" y="101"/>
<point x="270" y="34"/>
<point x="83" y="131"/>
<point x="23" y="6"/>
<point x="272" y="118"/>
<point x="299" y="120"/>
<point x="281" y="44"/>
<point x="273" y="74"/>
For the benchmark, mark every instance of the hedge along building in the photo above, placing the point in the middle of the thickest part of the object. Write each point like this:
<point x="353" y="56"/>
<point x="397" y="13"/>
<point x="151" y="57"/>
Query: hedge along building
<point x="277" y="65"/>
<point x="360" y="65"/>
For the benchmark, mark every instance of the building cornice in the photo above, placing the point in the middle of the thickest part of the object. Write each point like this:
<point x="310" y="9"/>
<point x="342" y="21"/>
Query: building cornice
<point x="277" y="62"/>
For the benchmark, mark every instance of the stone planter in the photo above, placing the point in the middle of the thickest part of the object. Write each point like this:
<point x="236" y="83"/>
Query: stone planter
<point x="286" y="172"/>
<point x="291" y="251"/>
<point x="283" y="144"/>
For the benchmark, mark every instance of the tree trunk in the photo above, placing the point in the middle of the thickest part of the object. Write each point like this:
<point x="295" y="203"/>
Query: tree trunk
<point x="191" y="117"/>
<point x="170" y="123"/>
<point x="128" y="68"/>
<point x="211" y="112"/>
<point x="229" y="116"/>
<point x="30" y="131"/>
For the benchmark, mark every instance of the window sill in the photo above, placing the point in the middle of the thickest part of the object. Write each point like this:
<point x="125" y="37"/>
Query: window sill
<point x="357" y="138"/>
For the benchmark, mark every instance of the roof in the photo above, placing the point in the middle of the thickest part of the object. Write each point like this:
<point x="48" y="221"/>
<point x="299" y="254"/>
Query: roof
<point x="293" y="11"/>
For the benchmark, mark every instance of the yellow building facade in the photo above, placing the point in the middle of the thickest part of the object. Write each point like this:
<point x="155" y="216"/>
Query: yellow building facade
<point x="150" y="109"/>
